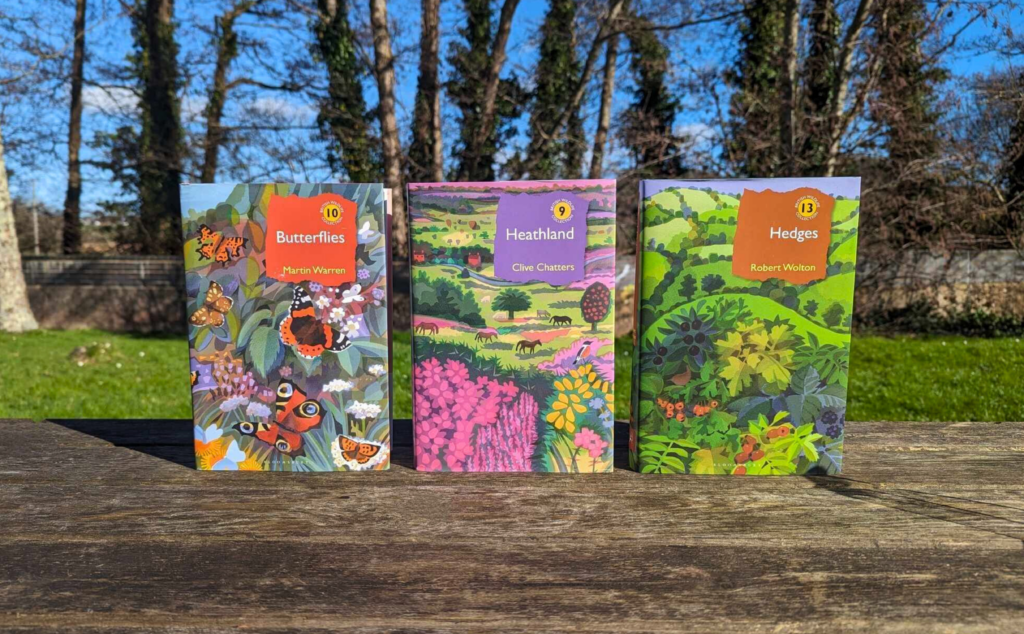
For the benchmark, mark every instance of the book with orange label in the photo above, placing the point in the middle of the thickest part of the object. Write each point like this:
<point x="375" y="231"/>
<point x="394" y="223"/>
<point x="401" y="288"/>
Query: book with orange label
<point x="743" y="301"/>
<point x="287" y="289"/>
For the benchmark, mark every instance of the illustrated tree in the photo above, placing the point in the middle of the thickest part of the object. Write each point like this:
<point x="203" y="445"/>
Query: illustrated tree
<point x="712" y="283"/>
<point x="511" y="300"/>
<point x="834" y="315"/>
<point x="594" y="304"/>
<point x="811" y="308"/>
<point x="688" y="287"/>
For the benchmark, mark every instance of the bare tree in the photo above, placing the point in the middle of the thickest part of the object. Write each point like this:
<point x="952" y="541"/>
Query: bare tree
<point x="227" y="50"/>
<point x="787" y="87"/>
<point x="604" y="118"/>
<point x="72" y="232"/>
<point x="15" y="312"/>
<point x="384" y="70"/>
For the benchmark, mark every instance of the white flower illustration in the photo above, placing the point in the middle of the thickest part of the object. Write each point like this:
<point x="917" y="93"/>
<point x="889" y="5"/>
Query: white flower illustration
<point x="362" y="411"/>
<point x="338" y="385"/>
<point x="323" y="302"/>
<point x="337" y="314"/>
<point x="377" y="370"/>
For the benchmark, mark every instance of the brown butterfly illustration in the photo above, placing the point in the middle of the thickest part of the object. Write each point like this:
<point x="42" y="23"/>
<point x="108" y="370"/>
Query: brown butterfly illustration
<point x="213" y="245"/>
<point x="357" y="450"/>
<point x="214" y="307"/>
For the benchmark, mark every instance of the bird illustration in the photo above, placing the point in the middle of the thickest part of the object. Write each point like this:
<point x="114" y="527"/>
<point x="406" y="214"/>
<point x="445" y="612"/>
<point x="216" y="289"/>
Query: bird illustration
<point x="584" y="351"/>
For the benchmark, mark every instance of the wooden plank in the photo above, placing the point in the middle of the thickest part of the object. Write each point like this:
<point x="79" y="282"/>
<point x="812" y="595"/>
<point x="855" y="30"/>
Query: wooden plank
<point x="924" y="532"/>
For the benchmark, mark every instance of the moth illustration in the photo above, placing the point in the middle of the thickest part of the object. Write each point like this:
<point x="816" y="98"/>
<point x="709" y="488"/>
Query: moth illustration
<point x="215" y="306"/>
<point x="294" y="415"/>
<point x="213" y="245"/>
<point x="304" y="330"/>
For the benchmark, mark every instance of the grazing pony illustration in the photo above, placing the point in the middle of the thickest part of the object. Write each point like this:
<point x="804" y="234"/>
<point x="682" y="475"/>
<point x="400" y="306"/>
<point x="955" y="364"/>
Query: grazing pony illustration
<point x="543" y="314"/>
<point x="486" y="335"/>
<point x="561" y="320"/>
<point x="427" y="327"/>
<point x="524" y="344"/>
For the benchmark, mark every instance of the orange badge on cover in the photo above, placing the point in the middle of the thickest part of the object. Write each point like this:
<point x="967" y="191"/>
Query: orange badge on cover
<point x="783" y="235"/>
<point x="311" y="239"/>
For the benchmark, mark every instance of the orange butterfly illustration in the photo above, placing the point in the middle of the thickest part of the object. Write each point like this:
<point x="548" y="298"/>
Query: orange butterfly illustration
<point x="214" y="307"/>
<point x="213" y="245"/>
<point x="357" y="450"/>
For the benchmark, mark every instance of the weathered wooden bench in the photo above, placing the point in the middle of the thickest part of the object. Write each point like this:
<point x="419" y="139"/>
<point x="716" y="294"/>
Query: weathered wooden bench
<point x="106" y="527"/>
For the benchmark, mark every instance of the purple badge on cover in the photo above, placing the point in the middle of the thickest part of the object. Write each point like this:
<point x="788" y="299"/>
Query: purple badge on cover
<point x="540" y="237"/>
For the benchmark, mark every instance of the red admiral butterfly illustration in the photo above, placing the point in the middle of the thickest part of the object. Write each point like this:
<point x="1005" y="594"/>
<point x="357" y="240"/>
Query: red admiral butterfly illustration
<point x="302" y="329"/>
<point x="295" y="415"/>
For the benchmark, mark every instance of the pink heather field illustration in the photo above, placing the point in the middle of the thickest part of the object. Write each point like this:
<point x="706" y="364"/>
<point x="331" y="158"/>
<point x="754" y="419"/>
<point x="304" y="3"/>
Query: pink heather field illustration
<point x="513" y="322"/>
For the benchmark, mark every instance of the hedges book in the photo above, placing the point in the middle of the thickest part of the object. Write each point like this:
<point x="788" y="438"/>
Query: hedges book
<point x="513" y="314"/>
<point x="743" y="301"/>
<point x="289" y="351"/>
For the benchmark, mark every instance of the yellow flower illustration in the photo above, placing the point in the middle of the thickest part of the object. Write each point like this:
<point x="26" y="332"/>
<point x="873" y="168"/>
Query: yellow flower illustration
<point x="251" y="463"/>
<point x="208" y="453"/>
<point x="573" y="391"/>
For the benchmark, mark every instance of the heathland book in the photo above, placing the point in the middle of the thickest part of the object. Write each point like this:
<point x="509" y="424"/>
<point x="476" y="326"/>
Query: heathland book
<point x="743" y="301"/>
<point x="287" y="288"/>
<point x="513" y="313"/>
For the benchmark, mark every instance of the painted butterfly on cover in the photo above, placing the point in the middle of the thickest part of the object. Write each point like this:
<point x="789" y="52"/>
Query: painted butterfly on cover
<point x="214" y="307"/>
<point x="356" y="450"/>
<point x="302" y="329"/>
<point x="295" y="415"/>
<point x="213" y="245"/>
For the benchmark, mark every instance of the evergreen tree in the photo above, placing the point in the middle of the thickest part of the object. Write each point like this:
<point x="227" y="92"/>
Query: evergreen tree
<point x="160" y="148"/>
<point x="343" y="117"/>
<point x="905" y="112"/>
<point x="753" y="109"/>
<point x="556" y="76"/>
<point x="1014" y="168"/>
<point x="425" y="154"/>
<point x="470" y="58"/>
<point x="819" y="74"/>
<point x="648" y="126"/>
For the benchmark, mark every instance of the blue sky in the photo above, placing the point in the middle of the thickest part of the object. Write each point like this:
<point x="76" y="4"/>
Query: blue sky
<point x="692" y="50"/>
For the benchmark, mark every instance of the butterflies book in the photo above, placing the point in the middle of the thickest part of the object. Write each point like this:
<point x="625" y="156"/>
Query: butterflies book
<point x="288" y="300"/>
<point x="743" y="301"/>
<point x="513" y="317"/>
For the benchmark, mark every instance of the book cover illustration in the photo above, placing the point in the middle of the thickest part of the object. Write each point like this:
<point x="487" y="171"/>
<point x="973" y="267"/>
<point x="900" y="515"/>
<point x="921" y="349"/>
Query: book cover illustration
<point x="513" y="325"/>
<point x="288" y="326"/>
<point x="743" y="302"/>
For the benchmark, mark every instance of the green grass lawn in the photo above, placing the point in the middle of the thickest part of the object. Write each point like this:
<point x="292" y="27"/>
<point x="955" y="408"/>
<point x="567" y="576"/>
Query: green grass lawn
<point x="128" y="376"/>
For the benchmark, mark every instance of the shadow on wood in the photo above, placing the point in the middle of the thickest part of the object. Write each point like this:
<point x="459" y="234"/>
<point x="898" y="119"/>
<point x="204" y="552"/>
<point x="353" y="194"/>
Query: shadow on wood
<point x="173" y="439"/>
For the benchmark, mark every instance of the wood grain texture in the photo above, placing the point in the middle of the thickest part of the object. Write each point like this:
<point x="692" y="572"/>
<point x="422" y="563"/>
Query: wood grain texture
<point x="107" y="527"/>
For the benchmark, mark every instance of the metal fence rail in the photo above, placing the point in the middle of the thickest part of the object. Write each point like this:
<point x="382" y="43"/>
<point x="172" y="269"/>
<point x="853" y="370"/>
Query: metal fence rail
<point x="111" y="271"/>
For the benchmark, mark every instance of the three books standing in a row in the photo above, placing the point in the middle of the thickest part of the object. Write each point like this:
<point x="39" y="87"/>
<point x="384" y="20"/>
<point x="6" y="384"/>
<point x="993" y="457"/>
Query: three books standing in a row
<point x="743" y="294"/>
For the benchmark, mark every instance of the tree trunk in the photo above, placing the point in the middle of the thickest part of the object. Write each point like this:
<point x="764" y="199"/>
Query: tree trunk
<point x="836" y="121"/>
<point x="71" y="237"/>
<point x="384" y="70"/>
<point x="426" y="155"/>
<point x="15" y="312"/>
<point x="574" y="103"/>
<point x="488" y="108"/>
<point x="787" y="89"/>
<point x="227" y="51"/>
<point x="161" y="138"/>
<point x="604" y="120"/>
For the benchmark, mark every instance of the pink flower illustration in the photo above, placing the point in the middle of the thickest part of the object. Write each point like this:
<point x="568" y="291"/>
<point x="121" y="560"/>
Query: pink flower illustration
<point x="450" y="408"/>
<point x="591" y="442"/>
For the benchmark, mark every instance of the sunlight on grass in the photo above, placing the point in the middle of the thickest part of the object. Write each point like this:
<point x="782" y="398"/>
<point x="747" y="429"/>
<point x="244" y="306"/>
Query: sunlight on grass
<point x="134" y="376"/>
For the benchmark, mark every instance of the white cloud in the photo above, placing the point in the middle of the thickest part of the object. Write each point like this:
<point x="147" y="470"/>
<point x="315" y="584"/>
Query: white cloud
<point x="109" y="100"/>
